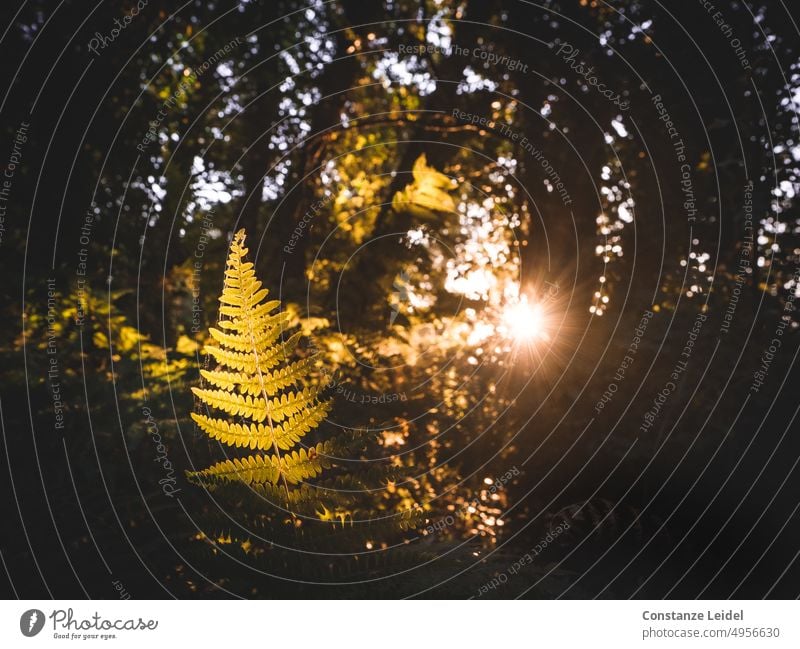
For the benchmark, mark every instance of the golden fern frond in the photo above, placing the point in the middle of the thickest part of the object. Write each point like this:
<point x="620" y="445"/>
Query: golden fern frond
<point x="247" y="296"/>
<point x="269" y="404"/>
<point x="258" y="436"/>
<point x="241" y="361"/>
<point x="298" y="466"/>
<point x="275" y="381"/>
<point x="234" y="404"/>
<point x="246" y="361"/>
<point x="290" y="403"/>
<point x="241" y="342"/>
<point x="229" y="380"/>
<point x="255" y="469"/>
<point x="253" y="436"/>
<point x="259" y="469"/>
<point x="254" y="385"/>
<point x="243" y="312"/>
<point x="258" y="408"/>
<point x="263" y="322"/>
<point x="295" y="428"/>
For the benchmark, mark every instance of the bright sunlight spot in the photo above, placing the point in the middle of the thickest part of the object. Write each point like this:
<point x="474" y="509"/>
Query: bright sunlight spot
<point x="525" y="321"/>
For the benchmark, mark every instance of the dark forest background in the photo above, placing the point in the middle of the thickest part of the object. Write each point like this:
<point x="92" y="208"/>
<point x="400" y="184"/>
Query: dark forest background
<point x="130" y="165"/>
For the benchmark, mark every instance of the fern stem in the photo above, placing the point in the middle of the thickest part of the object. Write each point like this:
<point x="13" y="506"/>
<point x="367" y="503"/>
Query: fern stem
<point x="269" y="417"/>
<point x="263" y="387"/>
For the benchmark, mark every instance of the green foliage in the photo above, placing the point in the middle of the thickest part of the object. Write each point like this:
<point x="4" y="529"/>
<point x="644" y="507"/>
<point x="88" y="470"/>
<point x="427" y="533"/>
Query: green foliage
<point x="428" y="193"/>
